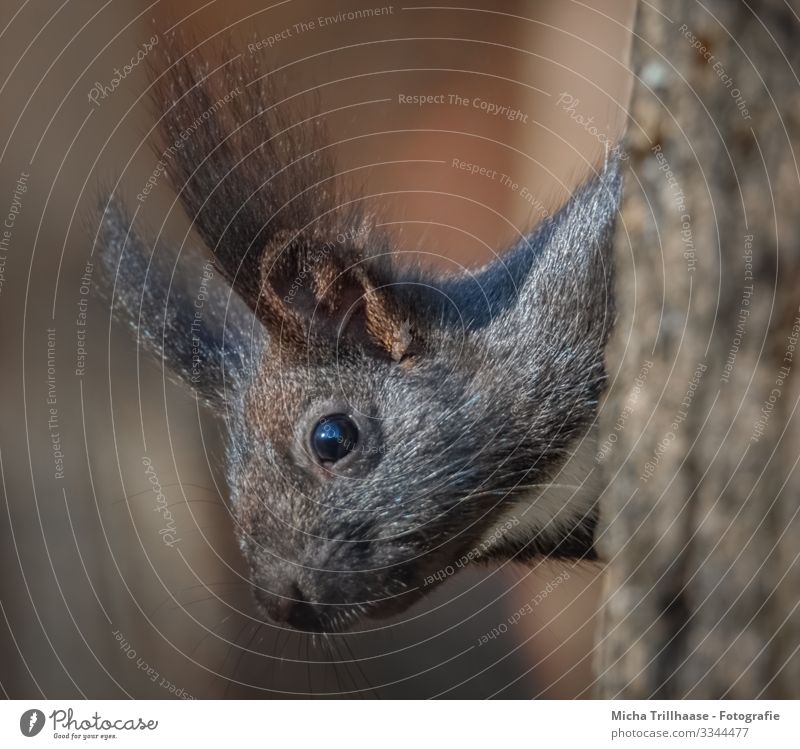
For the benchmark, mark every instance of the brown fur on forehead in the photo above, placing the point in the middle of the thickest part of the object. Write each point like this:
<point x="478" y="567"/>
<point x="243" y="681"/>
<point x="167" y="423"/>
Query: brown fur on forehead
<point x="275" y="401"/>
<point x="332" y="289"/>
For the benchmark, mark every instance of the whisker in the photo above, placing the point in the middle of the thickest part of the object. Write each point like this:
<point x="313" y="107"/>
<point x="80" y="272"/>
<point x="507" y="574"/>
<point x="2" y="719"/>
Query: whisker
<point x="308" y="667"/>
<point x="332" y="662"/>
<point x="208" y="634"/>
<point x="244" y="650"/>
<point x="206" y="586"/>
<point x="355" y="691"/>
<point x="356" y="663"/>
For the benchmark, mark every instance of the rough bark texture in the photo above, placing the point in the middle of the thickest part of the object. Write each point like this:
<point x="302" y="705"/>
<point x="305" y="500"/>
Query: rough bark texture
<point x="701" y="447"/>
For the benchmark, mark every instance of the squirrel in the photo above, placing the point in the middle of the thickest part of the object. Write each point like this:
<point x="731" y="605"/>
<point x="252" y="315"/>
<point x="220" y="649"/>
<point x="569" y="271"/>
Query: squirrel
<point x="383" y="422"/>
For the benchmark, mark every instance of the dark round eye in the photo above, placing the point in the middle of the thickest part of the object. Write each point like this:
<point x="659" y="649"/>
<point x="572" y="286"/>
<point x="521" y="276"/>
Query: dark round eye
<point x="334" y="437"/>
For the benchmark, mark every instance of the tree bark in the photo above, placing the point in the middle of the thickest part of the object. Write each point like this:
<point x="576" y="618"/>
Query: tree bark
<point x="699" y="433"/>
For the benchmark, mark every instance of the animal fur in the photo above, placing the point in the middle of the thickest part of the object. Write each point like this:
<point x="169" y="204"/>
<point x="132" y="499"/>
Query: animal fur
<point x="473" y="394"/>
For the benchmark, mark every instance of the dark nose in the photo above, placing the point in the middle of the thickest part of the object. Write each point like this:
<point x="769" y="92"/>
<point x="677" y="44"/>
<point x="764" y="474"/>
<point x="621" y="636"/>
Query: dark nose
<point x="288" y="607"/>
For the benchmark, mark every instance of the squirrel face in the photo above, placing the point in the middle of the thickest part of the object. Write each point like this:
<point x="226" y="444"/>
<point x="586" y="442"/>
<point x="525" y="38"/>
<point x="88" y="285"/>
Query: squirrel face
<point x="383" y="423"/>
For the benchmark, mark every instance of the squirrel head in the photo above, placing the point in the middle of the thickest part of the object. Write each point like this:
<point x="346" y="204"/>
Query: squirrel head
<point x="383" y="422"/>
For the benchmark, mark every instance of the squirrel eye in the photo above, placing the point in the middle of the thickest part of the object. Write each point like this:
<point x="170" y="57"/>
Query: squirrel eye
<point x="334" y="437"/>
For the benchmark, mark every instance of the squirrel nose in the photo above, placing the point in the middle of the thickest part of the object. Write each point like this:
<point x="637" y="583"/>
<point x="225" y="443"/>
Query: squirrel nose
<point x="288" y="607"/>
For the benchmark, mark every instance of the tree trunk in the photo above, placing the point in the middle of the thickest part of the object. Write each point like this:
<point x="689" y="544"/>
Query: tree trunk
<point x="699" y="436"/>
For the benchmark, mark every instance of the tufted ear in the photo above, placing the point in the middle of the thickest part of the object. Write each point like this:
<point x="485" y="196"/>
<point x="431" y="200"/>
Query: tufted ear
<point x="541" y="314"/>
<point x="259" y="183"/>
<point x="557" y="278"/>
<point x="180" y="311"/>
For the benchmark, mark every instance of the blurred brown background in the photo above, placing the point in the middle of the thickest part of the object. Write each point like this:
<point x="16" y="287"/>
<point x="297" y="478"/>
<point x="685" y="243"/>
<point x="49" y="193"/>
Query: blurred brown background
<point x="93" y="603"/>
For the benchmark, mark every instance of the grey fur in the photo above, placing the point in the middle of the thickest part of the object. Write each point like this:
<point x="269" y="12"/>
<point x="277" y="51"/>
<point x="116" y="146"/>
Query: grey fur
<point x="496" y="384"/>
<point x="180" y="311"/>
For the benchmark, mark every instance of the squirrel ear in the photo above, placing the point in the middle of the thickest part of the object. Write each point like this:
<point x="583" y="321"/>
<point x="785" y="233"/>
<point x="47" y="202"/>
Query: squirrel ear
<point x="575" y="245"/>
<point x="251" y="177"/>
<point x="181" y="312"/>
<point x="312" y="287"/>
<point x="561" y="271"/>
